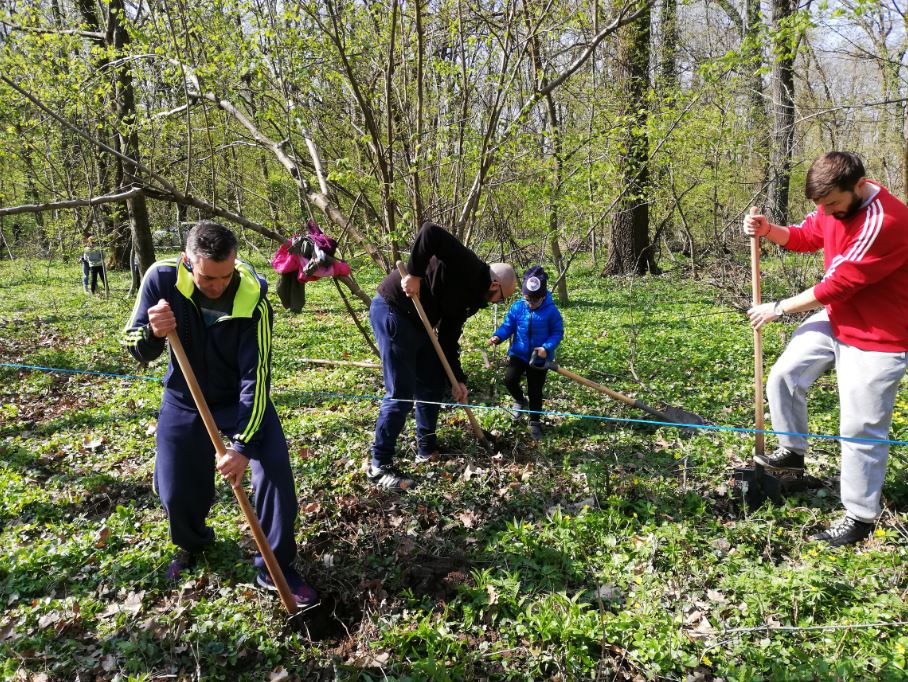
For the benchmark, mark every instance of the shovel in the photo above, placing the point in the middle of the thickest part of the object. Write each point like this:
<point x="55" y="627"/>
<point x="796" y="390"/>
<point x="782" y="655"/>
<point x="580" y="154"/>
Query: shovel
<point x="754" y="484"/>
<point x="474" y="424"/>
<point x="274" y="570"/>
<point x="671" y="414"/>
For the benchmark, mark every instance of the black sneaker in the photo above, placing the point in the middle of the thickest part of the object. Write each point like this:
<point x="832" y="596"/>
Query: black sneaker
<point x="427" y="457"/>
<point x="845" y="531"/>
<point x="303" y="593"/>
<point x="182" y="561"/>
<point x="535" y="430"/>
<point x="389" y="477"/>
<point x="782" y="459"/>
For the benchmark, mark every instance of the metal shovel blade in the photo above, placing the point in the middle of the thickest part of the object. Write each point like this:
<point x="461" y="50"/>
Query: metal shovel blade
<point x="681" y="416"/>
<point x="754" y="487"/>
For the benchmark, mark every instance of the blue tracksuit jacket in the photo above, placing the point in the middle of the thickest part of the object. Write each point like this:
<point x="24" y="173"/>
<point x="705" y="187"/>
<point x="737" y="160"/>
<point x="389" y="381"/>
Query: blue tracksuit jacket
<point x="532" y="328"/>
<point x="231" y="358"/>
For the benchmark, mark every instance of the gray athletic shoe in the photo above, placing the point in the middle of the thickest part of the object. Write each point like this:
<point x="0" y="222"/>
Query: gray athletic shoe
<point x="389" y="477"/>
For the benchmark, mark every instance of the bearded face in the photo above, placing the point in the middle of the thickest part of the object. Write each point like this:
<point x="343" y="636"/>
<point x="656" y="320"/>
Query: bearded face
<point x="841" y="204"/>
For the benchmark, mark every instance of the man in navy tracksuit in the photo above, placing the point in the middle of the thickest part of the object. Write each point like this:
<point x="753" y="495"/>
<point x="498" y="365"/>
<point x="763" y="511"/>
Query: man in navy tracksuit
<point x="537" y="327"/>
<point x="218" y="307"/>
<point x="452" y="283"/>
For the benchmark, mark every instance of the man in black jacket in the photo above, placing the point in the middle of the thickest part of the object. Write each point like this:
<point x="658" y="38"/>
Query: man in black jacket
<point x="452" y="284"/>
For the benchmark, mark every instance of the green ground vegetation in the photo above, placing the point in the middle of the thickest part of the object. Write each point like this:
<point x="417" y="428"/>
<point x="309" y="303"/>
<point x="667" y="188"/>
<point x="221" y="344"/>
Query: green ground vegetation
<point x="609" y="550"/>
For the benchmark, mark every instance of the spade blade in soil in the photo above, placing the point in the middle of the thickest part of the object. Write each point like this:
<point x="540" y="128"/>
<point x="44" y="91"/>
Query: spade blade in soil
<point x="755" y="487"/>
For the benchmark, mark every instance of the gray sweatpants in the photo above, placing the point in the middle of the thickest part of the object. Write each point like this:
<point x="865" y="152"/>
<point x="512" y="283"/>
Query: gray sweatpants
<point x="868" y="382"/>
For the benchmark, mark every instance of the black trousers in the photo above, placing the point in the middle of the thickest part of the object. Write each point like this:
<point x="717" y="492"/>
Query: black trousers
<point x="184" y="474"/>
<point x="535" y="381"/>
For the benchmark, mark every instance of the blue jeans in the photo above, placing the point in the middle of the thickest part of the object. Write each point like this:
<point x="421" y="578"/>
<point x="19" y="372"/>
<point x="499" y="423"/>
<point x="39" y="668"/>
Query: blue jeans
<point x="412" y="372"/>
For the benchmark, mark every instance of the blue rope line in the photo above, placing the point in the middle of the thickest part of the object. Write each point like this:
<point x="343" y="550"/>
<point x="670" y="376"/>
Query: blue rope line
<point x="553" y="413"/>
<point x="79" y="371"/>
<point x="649" y="422"/>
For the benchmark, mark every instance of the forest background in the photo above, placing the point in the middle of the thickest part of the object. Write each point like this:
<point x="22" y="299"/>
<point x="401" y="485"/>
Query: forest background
<point x="606" y="140"/>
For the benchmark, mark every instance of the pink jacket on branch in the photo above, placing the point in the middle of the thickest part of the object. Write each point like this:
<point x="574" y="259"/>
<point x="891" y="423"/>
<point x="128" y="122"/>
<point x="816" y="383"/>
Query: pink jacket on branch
<point x="865" y="287"/>
<point x="311" y="256"/>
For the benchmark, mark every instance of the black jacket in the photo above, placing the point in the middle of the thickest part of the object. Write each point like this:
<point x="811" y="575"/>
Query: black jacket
<point x="455" y="285"/>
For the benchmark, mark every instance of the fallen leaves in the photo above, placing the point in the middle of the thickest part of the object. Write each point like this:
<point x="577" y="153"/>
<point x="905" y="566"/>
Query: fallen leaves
<point x="101" y="538"/>
<point x="467" y="518"/>
<point x="132" y="604"/>
<point x="61" y="620"/>
<point x="369" y="660"/>
<point x="8" y="631"/>
<point x="279" y="675"/>
<point x="471" y="472"/>
<point x="492" y="594"/>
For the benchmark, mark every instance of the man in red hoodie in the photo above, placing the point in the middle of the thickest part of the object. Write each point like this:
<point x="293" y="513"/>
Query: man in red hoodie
<point x="862" y="330"/>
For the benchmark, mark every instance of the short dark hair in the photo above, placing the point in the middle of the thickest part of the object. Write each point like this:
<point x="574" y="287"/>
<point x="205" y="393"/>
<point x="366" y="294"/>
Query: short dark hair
<point x="833" y="171"/>
<point x="208" y="239"/>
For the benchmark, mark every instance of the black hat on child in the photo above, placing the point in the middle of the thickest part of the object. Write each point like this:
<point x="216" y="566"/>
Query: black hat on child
<point x="534" y="281"/>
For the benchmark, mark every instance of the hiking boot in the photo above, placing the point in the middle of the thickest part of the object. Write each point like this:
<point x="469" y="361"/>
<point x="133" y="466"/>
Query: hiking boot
<point x="535" y="430"/>
<point x="782" y="459"/>
<point x="389" y="477"/>
<point x="303" y="593"/>
<point x="182" y="561"/>
<point x="845" y="531"/>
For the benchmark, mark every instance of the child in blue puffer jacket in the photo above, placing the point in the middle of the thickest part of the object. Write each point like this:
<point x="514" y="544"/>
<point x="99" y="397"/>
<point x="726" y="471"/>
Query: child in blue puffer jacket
<point x="536" y="324"/>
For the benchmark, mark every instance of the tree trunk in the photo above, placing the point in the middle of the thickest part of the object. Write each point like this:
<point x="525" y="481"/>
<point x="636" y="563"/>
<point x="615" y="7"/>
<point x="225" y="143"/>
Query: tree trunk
<point x="557" y="152"/>
<point x="668" y="50"/>
<point x="32" y="190"/>
<point x="629" y="249"/>
<point x="125" y="140"/>
<point x="137" y="209"/>
<point x="783" y="113"/>
<point x="759" y="125"/>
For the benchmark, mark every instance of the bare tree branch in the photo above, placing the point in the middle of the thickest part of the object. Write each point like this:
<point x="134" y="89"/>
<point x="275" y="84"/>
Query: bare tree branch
<point x="288" y="162"/>
<point x="625" y="16"/>
<point x="71" y="203"/>
<point x="94" y="35"/>
<point x="169" y="191"/>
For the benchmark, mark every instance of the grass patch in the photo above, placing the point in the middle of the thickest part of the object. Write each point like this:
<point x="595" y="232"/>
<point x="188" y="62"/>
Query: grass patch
<point x="609" y="550"/>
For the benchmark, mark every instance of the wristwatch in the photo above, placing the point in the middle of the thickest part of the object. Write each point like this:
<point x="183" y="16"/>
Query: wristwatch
<point x="777" y="309"/>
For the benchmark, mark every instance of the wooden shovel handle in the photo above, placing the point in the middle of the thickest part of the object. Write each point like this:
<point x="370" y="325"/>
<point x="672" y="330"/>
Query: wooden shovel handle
<point x="477" y="429"/>
<point x="756" y="299"/>
<point x="274" y="569"/>
<point x="614" y="395"/>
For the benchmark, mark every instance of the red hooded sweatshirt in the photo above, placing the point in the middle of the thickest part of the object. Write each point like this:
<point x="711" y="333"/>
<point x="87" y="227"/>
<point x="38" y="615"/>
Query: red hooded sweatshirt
<point x="865" y="288"/>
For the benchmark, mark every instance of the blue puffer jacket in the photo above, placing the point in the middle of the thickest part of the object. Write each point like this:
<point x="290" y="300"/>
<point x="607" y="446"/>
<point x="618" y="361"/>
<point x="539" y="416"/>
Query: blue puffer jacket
<point x="532" y="328"/>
